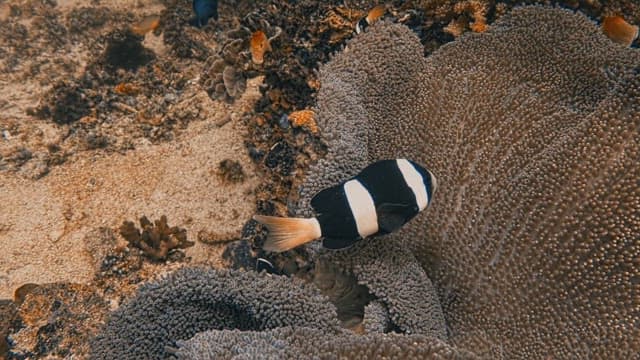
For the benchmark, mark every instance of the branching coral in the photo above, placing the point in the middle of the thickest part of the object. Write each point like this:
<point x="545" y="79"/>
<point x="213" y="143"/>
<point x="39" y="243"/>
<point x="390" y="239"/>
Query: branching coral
<point x="195" y="300"/>
<point x="533" y="131"/>
<point x="156" y="239"/>
<point x="292" y="342"/>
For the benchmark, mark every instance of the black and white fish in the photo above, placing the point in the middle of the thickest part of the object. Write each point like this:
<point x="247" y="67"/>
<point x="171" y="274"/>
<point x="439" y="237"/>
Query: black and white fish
<point x="379" y="200"/>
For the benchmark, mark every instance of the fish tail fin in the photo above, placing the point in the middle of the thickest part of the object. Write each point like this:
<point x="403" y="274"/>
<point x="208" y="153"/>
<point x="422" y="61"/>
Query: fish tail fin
<point x="286" y="233"/>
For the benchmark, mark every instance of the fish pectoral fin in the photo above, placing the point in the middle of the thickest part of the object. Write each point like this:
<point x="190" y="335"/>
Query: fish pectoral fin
<point x="391" y="217"/>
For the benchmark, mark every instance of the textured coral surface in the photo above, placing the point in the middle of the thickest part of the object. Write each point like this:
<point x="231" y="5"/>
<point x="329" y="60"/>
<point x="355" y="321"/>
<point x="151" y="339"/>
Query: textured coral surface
<point x="532" y="129"/>
<point x="192" y="300"/>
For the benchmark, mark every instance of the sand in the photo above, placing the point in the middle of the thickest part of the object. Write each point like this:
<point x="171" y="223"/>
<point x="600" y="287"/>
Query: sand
<point x="44" y="223"/>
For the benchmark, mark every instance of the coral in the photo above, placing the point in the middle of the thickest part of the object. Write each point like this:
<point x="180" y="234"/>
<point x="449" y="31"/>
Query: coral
<point x="304" y="119"/>
<point x="223" y="77"/>
<point x="259" y="46"/>
<point x="193" y="300"/>
<point x="343" y="291"/>
<point x="391" y="273"/>
<point x="376" y="318"/>
<point x="241" y="57"/>
<point x="156" y="239"/>
<point x="124" y="88"/>
<point x="532" y="238"/>
<point x="290" y="342"/>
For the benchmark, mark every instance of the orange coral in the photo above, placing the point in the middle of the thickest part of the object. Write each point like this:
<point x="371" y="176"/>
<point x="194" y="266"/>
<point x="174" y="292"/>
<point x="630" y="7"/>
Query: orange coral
<point x="340" y="22"/>
<point x="305" y="119"/>
<point x="147" y="24"/>
<point x="476" y="9"/>
<point x="259" y="46"/>
<point x="126" y="89"/>
<point x="619" y="31"/>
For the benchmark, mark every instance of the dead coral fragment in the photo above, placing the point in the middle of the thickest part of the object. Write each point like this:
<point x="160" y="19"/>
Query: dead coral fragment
<point x="259" y="46"/>
<point x="305" y="119"/>
<point x="125" y="50"/>
<point x="234" y="81"/>
<point x="65" y="103"/>
<point x="224" y="77"/>
<point x="126" y="89"/>
<point x="619" y="31"/>
<point x="231" y="171"/>
<point x="155" y="240"/>
<point x="339" y="23"/>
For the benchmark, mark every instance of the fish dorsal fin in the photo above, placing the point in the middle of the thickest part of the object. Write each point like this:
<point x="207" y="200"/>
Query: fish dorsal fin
<point x="391" y="217"/>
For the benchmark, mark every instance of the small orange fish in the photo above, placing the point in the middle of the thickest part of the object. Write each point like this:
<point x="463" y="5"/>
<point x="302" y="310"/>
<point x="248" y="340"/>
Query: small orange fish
<point x="619" y="31"/>
<point x="147" y="24"/>
<point x="373" y="15"/>
<point x="259" y="46"/>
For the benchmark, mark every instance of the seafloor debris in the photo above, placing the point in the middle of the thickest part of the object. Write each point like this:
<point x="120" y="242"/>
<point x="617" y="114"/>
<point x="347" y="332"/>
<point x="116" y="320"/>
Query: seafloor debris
<point x="156" y="239"/>
<point x="241" y="57"/>
<point x="231" y="171"/>
<point x="65" y="103"/>
<point x="305" y="119"/>
<point x="124" y="50"/>
<point x="9" y="321"/>
<point x="174" y="23"/>
<point x="145" y="25"/>
<point x="56" y="320"/>
<point x="124" y="88"/>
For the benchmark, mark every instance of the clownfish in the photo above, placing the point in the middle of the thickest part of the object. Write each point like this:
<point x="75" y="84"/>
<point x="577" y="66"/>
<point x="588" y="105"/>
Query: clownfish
<point x="204" y="9"/>
<point x="373" y="15"/>
<point x="379" y="200"/>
